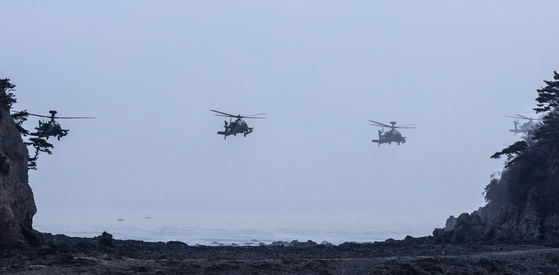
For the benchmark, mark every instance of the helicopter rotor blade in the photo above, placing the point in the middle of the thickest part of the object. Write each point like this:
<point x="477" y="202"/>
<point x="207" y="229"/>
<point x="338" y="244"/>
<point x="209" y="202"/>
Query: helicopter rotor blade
<point x="224" y="114"/>
<point x="379" y="124"/>
<point x="406" y="126"/>
<point x="237" y="116"/>
<point x="74" y="117"/>
<point x="528" y="118"/>
<point x="38" y="115"/>
<point x="257" y="116"/>
<point x="523" y="117"/>
<point x="62" y="117"/>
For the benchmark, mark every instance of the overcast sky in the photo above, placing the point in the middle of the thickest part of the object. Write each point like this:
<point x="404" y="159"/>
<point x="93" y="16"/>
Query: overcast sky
<point x="150" y="71"/>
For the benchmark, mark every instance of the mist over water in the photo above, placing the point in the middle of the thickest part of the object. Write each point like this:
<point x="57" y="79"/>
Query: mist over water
<point x="208" y="227"/>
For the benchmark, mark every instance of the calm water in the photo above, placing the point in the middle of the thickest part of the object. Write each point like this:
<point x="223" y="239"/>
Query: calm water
<point x="215" y="228"/>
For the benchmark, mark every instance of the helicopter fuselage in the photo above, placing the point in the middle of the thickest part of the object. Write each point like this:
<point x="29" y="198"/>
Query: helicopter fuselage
<point x="522" y="127"/>
<point x="388" y="137"/>
<point x="238" y="126"/>
<point x="49" y="129"/>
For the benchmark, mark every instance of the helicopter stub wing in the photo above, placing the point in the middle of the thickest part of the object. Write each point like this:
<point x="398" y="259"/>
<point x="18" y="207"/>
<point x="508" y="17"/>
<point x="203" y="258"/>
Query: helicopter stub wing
<point x="378" y="141"/>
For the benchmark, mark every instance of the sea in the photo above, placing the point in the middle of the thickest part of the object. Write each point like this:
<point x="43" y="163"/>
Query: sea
<point x="220" y="228"/>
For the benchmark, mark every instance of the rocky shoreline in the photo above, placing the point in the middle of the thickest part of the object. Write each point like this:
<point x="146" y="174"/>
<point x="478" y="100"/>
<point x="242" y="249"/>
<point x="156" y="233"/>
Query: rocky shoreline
<point x="61" y="254"/>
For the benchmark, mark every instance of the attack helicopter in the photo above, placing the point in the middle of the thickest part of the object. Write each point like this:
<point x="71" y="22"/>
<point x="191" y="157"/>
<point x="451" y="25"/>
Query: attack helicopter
<point x="522" y="127"/>
<point x="52" y="128"/>
<point x="390" y="136"/>
<point x="239" y="126"/>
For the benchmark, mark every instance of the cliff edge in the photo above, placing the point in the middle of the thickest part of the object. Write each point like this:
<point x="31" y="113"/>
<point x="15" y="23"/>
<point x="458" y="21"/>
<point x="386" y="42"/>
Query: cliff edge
<point x="17" y="205"/>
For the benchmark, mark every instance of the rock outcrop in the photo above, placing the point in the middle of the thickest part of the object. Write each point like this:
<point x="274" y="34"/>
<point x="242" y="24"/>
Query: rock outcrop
<point x="17" y="205"/>
<point x="502" y="223"/>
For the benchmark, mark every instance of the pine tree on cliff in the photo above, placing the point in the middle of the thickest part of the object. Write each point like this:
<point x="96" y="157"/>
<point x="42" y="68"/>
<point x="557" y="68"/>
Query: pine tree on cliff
<point x="7" y="99"/>
<point x="532" y="166"/>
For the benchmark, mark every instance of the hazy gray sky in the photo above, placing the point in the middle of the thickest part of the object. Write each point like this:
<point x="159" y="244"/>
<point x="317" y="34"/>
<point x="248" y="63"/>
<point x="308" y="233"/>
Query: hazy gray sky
<point x="150" y="71"/>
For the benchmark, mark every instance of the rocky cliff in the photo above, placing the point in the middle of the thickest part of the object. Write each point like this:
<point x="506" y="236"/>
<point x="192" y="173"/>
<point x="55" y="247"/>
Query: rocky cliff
<point x="501" y="224"/>
<point x="505" y="222"/>
<point x="523" y="200"/>
<point x="17" y="205"/>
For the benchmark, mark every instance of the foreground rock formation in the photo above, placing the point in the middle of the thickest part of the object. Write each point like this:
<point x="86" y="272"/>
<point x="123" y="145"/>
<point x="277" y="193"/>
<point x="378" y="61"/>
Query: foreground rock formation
<point x="103" y="255"/>
<point x="17" y="205"/>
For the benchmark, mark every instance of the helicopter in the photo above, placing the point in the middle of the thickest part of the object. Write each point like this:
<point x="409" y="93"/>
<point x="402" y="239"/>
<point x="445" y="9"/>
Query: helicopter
<point x="391" y="136"/>
<point x="522" y="127"/>
<point x="51" y="128"/>
<point x="239" y="126"/>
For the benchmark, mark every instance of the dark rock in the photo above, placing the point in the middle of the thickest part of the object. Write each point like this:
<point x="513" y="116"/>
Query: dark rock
<point x="422" y="255"/>
<point x="450" y="223"/>
<point x="106" y="240"/>
<point x="17" y="206"/>
<point x="307" y="244"/>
